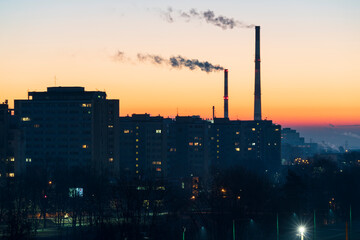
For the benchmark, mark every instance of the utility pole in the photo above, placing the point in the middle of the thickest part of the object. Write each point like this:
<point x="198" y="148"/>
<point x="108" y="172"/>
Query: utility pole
<point x="314" y="237"/>
<point x="277" y="226"/>
<point x="233" y="229"/>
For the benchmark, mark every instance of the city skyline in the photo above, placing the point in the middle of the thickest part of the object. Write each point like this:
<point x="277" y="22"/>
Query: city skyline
<point x="308" y="61"/>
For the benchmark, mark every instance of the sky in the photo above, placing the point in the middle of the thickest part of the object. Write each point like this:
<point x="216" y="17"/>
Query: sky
<point x="309" y="51"/>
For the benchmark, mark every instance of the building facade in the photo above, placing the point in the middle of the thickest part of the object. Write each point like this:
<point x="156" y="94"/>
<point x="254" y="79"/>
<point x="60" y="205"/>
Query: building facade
<point x="69" y="128"/>
<point x="252" y="144"/>
<point x="143" y="147"/>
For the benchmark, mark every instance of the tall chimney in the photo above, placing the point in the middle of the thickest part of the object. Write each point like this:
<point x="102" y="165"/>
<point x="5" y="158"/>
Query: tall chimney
<point x="213" y="108"/>
<point x="257" y="100"/>
<point x="226" y="95"/>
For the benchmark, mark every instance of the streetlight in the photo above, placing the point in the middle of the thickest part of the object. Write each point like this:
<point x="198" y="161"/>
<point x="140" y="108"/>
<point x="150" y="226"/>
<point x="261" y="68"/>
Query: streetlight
<point x="302" y="230"/>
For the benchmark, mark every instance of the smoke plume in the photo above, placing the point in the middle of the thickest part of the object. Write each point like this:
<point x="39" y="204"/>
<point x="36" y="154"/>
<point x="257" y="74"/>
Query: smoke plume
<point x="180" y="62"/>
<point x="119" y="56"/>
<point x="209" y="16"/>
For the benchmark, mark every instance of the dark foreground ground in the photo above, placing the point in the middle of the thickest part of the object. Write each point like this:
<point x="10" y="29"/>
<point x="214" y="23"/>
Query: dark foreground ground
<point x="329" y="232"/>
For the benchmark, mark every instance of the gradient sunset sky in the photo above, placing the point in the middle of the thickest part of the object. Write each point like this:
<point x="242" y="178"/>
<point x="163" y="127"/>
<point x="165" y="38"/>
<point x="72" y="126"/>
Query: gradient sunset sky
<point x="310" y="52"/>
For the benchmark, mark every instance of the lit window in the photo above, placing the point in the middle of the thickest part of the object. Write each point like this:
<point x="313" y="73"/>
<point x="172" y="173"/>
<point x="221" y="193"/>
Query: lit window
<point x="137" y="171"/>
<point x="158" y="131"/>
<point x="137" y="127"/>
<point x="126" y="131"/>
<point x="253" y="144"/>
<point x="158" y="169"/>
<point x="85" y="146"/>
<point x="137" y="153"/>
<point x="182" y="185"/>
<point x="36" y="125"/>
<point x="137" y="159"/>
<point x="89" y="112"/>
<point x="217" y="140"/>
<point x="253" y="129"/>
<point x="12" y="159"/>
<point x="27" y="159"/>
<point x="137" y="140"/>
<point x="249" y="149"/>
<point x="217" y="151"/>
<point x="196" y="143"/>
<point x="86" y="105"/>
<point x="217" y="146"/>
<point x="237" y="149"/>
<point x="275" y="144"/>
<point x="237" y="133"/>
<point x="110" y="126"/>
<point x="137" y="146"/>
<point x="11" y="174"/>
<point x="191" y="143"/>
<point x="136" y="165"/>
<point x="111" y="159"/>
<point x="25" y="119"/>
<point x="276" y="129"/>
<point x="156" y="163"/>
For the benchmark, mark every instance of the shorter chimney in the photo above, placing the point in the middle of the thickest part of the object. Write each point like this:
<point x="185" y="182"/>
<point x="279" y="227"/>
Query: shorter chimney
<point x="226" y="95"/>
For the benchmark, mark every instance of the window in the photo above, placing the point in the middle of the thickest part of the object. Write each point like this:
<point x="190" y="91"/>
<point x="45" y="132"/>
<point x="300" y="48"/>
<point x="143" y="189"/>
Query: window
<point x="111" y="159"/>
<point x="110" y="126"/>
<point x="126" y="131"/>
<point x="158" y="131"/>
<point x="253" y="129"/>
<point x="28" y="160"/>
<point x="249" y="148"/>
<point x="86" y="105"/>
<point x="11" y="174"/>
<point x="25" y="119"/>
<point x="85" y="146"/>
<point x="237" y="149"/>
<point x="237" y="133"/>
<point x="158" y="169"/>
<point x="36" y="125"/>
<point x="12" y="159"/>
<point x="253" y="144"/>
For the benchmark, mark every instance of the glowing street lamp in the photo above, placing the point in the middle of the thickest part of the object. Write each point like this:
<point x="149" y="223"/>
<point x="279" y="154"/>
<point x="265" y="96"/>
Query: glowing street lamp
<point x="302" y="231"/>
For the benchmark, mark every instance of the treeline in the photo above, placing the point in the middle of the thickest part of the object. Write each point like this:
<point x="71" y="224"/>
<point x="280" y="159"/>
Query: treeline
<point x="236" y="201"/>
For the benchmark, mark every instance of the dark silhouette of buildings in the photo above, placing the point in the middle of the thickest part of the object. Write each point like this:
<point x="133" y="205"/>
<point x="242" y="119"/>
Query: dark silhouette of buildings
<point x="294" y="149"/>
<point x="143" y="146"/>
<point x="253" y="144"/>
<point x="67" y="127"/>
